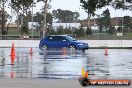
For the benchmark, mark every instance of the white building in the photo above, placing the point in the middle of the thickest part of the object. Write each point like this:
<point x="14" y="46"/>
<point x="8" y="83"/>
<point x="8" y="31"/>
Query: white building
<point x="66" y="25"/>
<point x="33" y="25"/>
<point x="94" y="28"/>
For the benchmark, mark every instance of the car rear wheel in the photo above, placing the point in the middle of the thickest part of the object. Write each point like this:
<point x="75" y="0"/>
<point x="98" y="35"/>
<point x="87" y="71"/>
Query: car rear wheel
<point x="44" y="47"/>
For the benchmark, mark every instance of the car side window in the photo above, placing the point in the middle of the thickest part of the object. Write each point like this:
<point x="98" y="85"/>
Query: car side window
<point x="50" y="38"/>
<point x="54" y="38"/>
<point x="57" y="38"/>
<point x="63" y="38"/>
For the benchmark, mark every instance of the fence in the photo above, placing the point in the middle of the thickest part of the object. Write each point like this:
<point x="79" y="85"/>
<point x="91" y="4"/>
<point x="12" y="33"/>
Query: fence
<point x="18" y="37"/>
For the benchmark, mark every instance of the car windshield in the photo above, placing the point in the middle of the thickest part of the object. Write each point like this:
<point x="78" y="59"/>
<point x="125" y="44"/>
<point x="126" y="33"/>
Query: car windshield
<point x="70" y="38"/>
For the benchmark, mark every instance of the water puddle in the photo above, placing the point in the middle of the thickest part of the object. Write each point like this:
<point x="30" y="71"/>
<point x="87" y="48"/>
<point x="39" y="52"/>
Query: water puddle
<point x="57" y="64"/>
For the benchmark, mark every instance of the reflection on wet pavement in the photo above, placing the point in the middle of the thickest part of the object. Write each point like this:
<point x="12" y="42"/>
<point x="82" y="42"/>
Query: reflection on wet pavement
<point x="57" y="64"/>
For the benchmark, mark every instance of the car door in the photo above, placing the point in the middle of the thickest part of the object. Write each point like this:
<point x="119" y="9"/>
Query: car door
<point x="54" y="41"/>
<point x="50" y="41"/>
<point x="63" y="42"/>
<point x="59" y="42"/>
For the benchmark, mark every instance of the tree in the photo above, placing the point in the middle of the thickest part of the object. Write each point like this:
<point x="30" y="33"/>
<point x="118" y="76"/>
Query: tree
<point x="100" y="23"/>
<point x="90" y="6"/>
<point x="119" y="29"/>
<point x="65" y="16"/>
<point x="89" y="31"/>
<point x="118" y="4"/>
<point x="3" y="17"/>
<point x="60" y="30"/>
<point x="22" y="7"/>
<point x="106" y="22"/>
<point x="122" y="4"/>
<point x="20" y="16"/>
<point x="29" y="16"/>
<point x="79" y="32"/>
<point x="67" y="30"/>
<point x="46" y="6"/>
<point x="52" y="32"/>
<point x="111" y="30"/>
<point x="39" y="17"/>
<point x="126" y="23"/>
<point x="75" y="16"/>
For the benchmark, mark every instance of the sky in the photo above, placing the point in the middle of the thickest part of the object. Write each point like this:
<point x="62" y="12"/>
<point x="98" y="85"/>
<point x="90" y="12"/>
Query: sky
<point x="74" y="5"/>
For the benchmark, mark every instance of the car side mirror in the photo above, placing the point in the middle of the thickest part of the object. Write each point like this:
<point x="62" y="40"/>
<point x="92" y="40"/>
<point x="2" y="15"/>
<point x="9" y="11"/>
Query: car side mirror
<point x="64" y="40"/>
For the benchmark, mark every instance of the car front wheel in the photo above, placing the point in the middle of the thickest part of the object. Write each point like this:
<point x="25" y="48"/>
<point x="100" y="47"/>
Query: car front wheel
<point x="72" y="47"/>
<point x="44" y="47"/>
<point x="83" y="50"/>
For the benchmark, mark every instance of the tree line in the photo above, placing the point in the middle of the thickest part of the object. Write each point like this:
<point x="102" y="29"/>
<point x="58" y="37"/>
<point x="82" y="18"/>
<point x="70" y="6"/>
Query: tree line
<point x="22" y="11"/>
<point x="90" y="6"/>
<point x="79" y="32"/>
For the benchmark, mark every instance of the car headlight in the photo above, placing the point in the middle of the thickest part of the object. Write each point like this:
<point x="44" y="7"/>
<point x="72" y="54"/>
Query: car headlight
<point x="80" y="44"/>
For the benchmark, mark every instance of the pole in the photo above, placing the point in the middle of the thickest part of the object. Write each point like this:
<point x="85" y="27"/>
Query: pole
<point x="21" y="24"/>
<point x="122" y="31"/>
<point x="32" y="20"/>
<point x="45" y="11"/>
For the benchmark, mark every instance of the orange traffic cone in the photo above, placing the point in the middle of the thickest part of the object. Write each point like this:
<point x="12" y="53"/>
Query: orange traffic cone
<point x="64" y="50"/>
<point x="12" y="60"/>
<point x="12" y="50"/>
<point x="31" y="51"/>
<point x="106" y="51"/>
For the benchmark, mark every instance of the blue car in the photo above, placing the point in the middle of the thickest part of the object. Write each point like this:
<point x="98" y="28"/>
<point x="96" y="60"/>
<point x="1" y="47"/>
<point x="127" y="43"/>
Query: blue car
<point x="60" y="41"/>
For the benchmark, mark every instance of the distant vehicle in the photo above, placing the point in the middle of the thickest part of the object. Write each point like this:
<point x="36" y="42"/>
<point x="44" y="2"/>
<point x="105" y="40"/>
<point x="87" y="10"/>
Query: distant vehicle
<point x="60" y="41"/>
